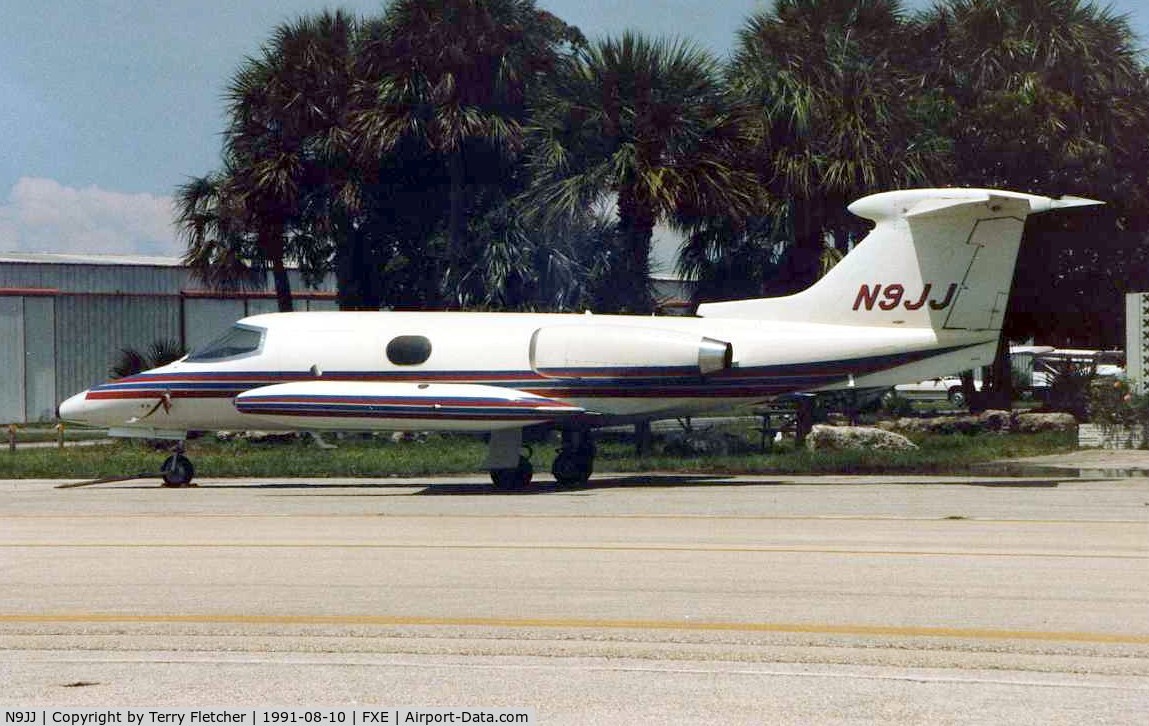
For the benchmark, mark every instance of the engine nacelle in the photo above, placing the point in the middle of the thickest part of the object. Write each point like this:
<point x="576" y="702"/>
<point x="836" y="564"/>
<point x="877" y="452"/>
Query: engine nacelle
<point x="617" y="351"/>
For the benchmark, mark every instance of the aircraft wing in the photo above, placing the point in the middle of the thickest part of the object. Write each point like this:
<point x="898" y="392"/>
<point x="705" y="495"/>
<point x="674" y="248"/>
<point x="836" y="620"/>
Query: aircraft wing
<point x="378" y="405"/>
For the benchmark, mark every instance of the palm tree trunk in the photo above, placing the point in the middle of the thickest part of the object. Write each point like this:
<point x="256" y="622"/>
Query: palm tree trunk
<point x="800" y="267"/>
<point x="636" y="227"/>
<point x="271" y="243"/>
<point x="283" y="297"/>
<point x="1002" y="377"/>
<point x="358" y="282"/>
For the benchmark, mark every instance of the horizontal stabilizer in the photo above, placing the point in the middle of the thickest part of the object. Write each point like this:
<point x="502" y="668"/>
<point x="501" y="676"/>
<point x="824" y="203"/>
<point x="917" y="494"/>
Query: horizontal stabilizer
<point x="379" y="405"/>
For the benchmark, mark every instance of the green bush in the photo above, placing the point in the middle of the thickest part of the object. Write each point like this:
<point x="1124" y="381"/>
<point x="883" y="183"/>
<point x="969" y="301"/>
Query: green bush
<point x="1114" y="404"/>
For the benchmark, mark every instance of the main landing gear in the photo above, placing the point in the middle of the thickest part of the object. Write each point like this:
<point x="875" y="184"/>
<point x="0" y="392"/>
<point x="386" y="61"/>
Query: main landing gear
<point x="515" y="478"/>
<point x="512" y="471"/>
<point x="575" y="461"/>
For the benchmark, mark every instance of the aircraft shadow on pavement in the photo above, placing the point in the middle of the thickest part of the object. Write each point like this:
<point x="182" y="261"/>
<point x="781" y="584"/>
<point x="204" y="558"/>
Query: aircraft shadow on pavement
<point x="668" y="481"/>
<point x="544" y="486"/>
<point x="625" y="481"/>
<point x="622" y="481"/>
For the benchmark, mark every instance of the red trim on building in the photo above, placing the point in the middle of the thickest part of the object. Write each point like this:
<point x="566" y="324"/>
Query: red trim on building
<point x="256" y="295"/>
<point x="29" y="291"/>
<point x="194" y="294"/>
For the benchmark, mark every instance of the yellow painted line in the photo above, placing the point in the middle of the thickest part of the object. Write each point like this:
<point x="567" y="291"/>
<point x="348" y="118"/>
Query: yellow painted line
<point x="578" y="623"/>
<point x="547" y="546"/>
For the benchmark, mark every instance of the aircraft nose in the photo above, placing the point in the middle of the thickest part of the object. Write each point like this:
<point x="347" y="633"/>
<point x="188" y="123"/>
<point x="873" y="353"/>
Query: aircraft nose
<point x="73" y="409"/>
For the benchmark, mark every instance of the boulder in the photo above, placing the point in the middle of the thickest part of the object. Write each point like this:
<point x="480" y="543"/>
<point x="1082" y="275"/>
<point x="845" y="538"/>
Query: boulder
<point x="1028" y="423"/>
<point x="993" y="420"/>
<point x="858" y="438"/>
<point x="705" y="442"/>
<point x="408" y="437"/>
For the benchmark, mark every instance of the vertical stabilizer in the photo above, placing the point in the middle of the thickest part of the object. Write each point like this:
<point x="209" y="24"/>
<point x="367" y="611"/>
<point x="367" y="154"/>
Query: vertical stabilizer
<point x="936" y="258"/>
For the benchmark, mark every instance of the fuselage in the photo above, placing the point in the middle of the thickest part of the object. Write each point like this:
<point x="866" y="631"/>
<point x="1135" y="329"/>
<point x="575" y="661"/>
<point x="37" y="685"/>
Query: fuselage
<point x="440" y="371"/>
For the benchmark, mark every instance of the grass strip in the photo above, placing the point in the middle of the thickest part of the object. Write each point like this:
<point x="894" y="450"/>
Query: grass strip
<point x="461" y="454"/>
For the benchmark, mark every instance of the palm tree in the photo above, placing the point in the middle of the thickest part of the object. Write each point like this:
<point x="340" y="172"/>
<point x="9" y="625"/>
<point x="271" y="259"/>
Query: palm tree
<point x="525" y="266"/>
<point x="1045" y="91"/>
<point x="132" y="361"/>
<point x="643" y="124"/>
<point x="212" y="222"/>
<point x="839" y="115"/>
<point x="454" y="76"/>
<point x="289" y="143"/>
<point x="729" y="259"/>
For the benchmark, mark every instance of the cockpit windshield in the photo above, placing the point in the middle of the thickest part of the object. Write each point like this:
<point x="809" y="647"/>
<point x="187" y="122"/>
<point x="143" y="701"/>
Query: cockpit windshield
<point x="238" y="340"/>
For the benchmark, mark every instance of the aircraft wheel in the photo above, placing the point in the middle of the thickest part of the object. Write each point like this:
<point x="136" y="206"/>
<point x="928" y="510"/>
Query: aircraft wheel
<point x="177" y="471"/>
<point x="516" y="479"/>
<point x="573" y="467"/>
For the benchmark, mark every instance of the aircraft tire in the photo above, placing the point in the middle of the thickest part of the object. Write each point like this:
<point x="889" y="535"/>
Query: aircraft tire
<point x="177" y="471"/>
<point x="515" y="479"/>
<point x="573" y="468"/>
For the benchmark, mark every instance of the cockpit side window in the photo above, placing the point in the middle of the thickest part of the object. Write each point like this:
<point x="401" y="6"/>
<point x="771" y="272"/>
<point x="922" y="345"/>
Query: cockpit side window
<point x="408" y="350"/>
<point x="239" y="340"/>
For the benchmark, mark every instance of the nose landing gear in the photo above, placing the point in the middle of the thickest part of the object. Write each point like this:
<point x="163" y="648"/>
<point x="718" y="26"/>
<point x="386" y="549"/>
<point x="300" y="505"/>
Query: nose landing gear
<point x="177" y="470"/>
<point x="510" y="471"/>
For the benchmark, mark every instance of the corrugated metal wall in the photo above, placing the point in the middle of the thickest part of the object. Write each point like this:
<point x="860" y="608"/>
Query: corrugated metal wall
<point x="62" y="326"/>
<point x="11" y="359"/>
<point x="206" y="319"/>
<point x="95" y="279"/>
<point x="92" y="330"/>
<point x="39" y="359"/>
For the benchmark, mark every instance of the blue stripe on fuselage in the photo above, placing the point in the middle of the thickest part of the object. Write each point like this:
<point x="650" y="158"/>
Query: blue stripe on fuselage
<point x="749" y="382"/>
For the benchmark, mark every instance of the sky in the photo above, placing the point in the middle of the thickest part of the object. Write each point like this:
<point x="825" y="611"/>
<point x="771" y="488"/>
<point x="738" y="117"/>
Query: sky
<point x="106" y="106"/>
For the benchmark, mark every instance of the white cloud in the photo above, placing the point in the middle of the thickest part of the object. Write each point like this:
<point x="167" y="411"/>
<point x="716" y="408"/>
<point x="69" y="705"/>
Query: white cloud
<point x="42" y="215"/>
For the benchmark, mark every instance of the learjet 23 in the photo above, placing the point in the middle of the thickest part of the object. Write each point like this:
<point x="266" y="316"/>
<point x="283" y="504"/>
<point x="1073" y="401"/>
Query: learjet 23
<point x="923" y="295"/>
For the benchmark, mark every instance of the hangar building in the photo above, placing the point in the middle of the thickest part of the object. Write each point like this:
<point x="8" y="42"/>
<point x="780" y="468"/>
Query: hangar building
<point x="65" y="318"/>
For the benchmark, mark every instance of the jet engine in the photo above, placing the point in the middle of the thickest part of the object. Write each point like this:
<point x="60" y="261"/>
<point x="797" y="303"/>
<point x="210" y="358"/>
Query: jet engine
<point x="617" y="351"/>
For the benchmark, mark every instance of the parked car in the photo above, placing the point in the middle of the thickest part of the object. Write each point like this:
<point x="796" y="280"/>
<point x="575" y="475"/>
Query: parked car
<point x="945" y="388"/>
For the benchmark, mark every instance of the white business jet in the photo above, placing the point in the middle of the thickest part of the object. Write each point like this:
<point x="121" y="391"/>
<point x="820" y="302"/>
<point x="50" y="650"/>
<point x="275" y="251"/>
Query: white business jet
<point x="922" y="295"/>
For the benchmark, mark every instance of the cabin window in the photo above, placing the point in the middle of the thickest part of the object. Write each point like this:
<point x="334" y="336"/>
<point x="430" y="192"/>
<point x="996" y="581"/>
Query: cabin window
<point x="238" y="340"/>
<point x="409" y="350"/>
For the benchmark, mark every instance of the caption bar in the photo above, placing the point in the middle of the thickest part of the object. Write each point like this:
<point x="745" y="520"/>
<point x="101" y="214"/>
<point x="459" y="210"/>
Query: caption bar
<point x="265" y="716"/>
